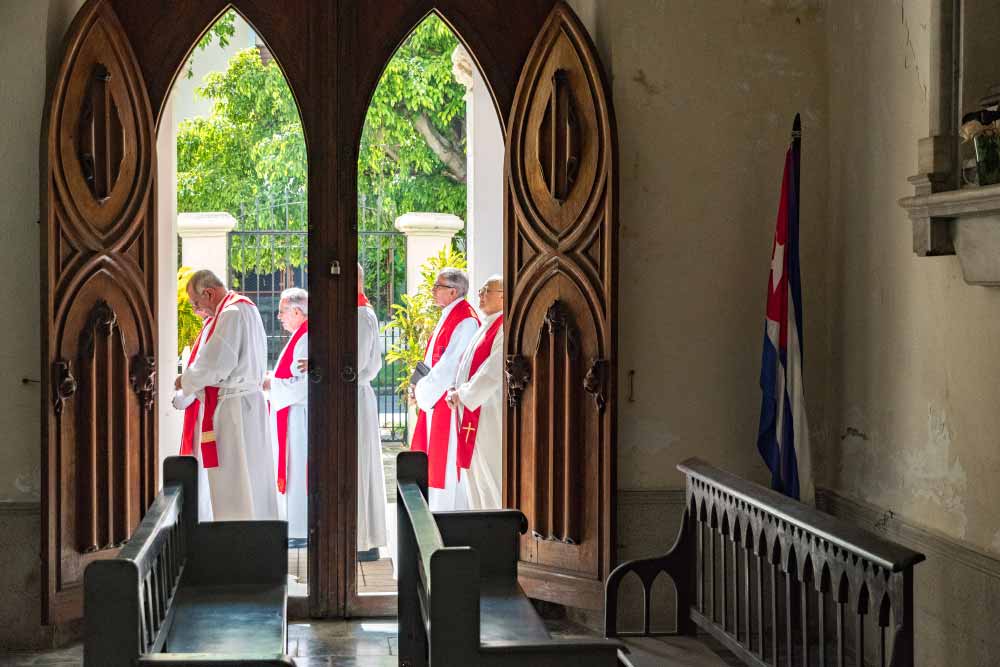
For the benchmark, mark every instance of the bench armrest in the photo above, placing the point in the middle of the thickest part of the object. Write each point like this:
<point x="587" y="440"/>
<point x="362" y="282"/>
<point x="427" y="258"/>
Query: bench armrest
<point x="494" y="534"/>
<point x="239" y="552"/>
<point x="213" y="660"/>
<point x="552" y="653"/>
<point x="678" y="564"/>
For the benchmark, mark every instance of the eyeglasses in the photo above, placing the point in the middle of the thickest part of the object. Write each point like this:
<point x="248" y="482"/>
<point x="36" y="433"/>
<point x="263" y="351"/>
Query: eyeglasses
<point x="483" y="291"/>
<point x="441" y="286"/>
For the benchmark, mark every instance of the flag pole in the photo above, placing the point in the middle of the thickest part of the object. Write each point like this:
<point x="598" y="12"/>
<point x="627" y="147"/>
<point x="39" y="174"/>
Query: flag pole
<point x="796" y="151"/>
<point x="793" y="240"/>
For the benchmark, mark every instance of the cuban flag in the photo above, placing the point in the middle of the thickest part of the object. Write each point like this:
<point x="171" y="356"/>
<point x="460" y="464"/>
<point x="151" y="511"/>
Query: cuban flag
<point x="783" y="435"/>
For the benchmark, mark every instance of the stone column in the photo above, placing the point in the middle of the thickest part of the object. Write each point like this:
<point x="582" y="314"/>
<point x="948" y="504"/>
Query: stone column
<point x="204" y="242"/>
<point x="426" y="235"/>
<point x="484" y="171"/>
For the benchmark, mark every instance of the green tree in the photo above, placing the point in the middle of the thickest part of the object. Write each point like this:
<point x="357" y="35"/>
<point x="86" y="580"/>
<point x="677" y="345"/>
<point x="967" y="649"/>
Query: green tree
<point x="250" y="149"/>
<point x="249" y="156"/>
<point x="412" y="153"/>
<point x="222" y="31"/>
<point x="188" y="324"/>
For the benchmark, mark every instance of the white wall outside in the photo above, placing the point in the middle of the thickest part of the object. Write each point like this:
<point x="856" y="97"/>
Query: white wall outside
<point x="170" y="420"/>
<point x="484" y="173"/>
<point x="187" y="103"/>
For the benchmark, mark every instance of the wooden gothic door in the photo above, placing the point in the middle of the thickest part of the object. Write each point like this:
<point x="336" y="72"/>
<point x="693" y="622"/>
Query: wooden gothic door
<point x="98" y="310"/>
<point x="561" y="282"/>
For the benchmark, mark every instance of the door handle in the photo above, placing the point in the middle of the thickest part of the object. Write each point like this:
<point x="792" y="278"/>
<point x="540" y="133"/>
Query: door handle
<point x="348" y="374"/>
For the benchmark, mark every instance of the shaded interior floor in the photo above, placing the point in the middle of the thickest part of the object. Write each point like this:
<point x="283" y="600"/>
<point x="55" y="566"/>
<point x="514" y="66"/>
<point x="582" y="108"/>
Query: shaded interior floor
<point x="367" y="643"/>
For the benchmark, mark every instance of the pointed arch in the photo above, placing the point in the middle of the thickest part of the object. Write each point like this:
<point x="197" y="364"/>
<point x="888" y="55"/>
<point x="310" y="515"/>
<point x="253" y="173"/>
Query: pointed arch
<point x="825" y="582"/>
<point x="162" y="53"/>
<point x="495" y="34"/>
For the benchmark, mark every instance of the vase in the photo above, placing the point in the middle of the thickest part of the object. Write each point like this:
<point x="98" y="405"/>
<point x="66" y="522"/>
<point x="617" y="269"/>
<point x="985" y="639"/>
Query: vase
<point x="988" y="158"/>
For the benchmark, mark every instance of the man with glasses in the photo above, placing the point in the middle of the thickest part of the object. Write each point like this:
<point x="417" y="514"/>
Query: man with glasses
<point x="477" y="430"/>
<point x="452" y="335"/>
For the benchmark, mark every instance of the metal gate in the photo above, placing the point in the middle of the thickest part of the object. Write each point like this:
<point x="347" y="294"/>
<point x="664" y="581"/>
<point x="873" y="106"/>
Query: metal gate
<point x="263" y="263"/>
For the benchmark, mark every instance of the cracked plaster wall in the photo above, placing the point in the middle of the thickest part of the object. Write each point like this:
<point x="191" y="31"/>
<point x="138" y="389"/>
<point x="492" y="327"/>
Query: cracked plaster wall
<point x="705" y="93"/>
<point x="914" y="408"/>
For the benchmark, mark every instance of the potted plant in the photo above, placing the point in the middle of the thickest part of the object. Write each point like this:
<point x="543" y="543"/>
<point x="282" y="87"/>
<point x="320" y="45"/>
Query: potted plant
<point x="982" y="129"/>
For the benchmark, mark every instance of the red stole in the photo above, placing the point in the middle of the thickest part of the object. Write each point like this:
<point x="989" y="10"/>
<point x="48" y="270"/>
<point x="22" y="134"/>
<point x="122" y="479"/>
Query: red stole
<point x="191" y="412"/>
<point x="437" y="447"/>
<point x="209" y="449"/>
<point x="363" y="300"/>
<point x="283" y="371"/>
<point x="470" y="418"/>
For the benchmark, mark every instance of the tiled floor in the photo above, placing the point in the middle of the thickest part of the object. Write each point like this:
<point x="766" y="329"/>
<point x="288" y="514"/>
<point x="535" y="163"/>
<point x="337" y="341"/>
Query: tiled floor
<point x="374" y="643"/>
<point x="376" y="577"/>
<point x="354" y="643"/>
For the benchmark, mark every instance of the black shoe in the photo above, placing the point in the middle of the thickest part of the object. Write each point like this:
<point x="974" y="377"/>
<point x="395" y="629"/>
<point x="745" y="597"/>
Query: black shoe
<point x="297" y="542"/>
<point x="368" y="556"/>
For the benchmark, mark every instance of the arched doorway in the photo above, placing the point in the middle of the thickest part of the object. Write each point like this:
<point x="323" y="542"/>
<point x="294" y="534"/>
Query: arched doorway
<point x="561" y="267"/>
<point x="430" y="187"/>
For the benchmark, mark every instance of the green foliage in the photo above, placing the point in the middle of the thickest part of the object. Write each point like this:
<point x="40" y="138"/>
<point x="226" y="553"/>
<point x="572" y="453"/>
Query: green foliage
<point x="249" y="157"/>
<point x="417" y="316"/>
<point x="417" y="99"/>
<point x="188" y="324"/>
<point x="222" y="30"/>
<point x="251" y="148"/>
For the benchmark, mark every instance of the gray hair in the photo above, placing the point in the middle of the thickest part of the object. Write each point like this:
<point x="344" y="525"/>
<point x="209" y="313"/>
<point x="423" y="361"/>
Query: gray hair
<point x="203" y="280"/>
<point x="495" y="279"/>
<point x="297" y="298"/>
<point x="456" y="278"/>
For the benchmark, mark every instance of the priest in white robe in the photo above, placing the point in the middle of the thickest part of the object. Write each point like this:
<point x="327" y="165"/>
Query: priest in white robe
<point x="477" y="430"/>
<point x="451" y="336"/>
<point x="230" y="370"/>
<point x="288" y="395"/>
<point x="193" y="406"/>
<point x="372" y="532"/>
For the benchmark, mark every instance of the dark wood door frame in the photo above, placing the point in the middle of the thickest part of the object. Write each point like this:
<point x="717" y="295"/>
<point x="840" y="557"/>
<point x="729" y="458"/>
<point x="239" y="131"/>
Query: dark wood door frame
<point x="332" y="53"/>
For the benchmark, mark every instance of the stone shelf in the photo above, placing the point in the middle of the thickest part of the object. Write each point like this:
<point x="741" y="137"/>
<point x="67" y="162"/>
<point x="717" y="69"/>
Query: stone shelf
<point x="970" y="219"/>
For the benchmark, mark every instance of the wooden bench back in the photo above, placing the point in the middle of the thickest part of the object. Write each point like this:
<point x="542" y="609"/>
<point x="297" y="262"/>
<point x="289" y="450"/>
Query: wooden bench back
<point x="127" y="598"/>
<point x="777" y="581"/>
<point x="445" y="584"/>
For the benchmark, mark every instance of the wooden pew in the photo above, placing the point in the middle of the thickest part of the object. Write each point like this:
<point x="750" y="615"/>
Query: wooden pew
<point x="459" y="600"/>
<point x="184" y="593"/>
<point x="773" y="580"/>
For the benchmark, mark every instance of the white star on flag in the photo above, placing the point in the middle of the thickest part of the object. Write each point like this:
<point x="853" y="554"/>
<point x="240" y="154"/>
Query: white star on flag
<point x="777" y="266"/>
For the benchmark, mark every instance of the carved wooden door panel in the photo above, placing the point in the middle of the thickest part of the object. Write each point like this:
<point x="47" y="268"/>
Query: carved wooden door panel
<point x="561" y="281"/>
<point x="98" y="290"/>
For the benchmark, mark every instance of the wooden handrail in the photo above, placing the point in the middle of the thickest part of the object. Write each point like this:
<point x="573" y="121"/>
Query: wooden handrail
<point x="889" y="555"/>
<point x="425" y="529"/>
<point x="147" y="541"/>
